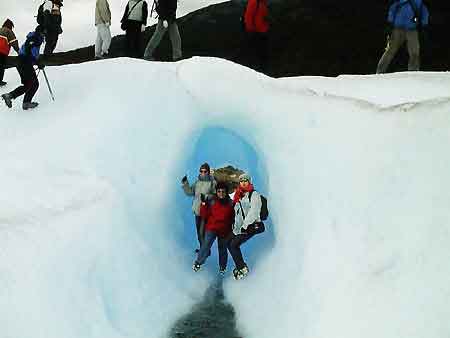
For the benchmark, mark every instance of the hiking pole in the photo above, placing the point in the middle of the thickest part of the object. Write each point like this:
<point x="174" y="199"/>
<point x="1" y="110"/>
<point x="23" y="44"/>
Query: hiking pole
<point x="48" y="84"/>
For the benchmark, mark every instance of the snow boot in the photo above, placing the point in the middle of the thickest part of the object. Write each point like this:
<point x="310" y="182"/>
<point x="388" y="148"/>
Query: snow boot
<point x="7" y="98"/>
<point x="196" y="267"/>
<point x="2" y="83"/>
<point x="29" y="105"/>
<point x="239" y="274"/>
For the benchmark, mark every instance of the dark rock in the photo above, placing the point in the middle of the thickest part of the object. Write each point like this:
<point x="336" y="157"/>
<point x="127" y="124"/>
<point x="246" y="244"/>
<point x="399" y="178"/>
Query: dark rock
<point x="308" y="37"/>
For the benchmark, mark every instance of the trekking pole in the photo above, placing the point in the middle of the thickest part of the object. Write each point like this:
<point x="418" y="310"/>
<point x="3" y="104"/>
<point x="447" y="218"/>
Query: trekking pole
<point x="48" y="84"/>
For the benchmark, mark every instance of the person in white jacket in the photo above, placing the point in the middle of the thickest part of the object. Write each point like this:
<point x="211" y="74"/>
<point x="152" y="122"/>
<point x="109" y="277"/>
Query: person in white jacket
<point x="247" y="222"/>
<point x="102" y="22"/>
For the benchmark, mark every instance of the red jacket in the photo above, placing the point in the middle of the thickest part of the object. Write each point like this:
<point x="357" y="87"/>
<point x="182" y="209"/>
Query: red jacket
<point x="219" y="216"/>
<point x="255" y="16"/>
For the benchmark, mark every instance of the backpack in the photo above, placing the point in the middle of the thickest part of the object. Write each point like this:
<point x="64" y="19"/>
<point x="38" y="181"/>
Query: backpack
<point x="40" y="14"/>
<point x="264" y="212"/>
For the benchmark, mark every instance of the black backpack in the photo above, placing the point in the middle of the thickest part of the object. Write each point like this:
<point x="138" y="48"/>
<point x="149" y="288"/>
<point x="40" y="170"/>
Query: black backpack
<point x="40" y="14"/>
<point x="264" y="212"/>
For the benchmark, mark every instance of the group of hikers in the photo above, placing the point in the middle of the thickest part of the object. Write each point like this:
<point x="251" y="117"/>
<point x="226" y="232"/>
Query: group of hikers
<point x="233" y="221"/>
<point x="406" y="19"/>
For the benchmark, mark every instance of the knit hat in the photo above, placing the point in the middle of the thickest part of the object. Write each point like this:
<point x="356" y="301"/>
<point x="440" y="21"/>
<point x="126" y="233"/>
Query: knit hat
<point x="8" y="24"/>
<point x="205" y="166"/>
<point x="245" y="177"/>
<point x="58" y="2"/>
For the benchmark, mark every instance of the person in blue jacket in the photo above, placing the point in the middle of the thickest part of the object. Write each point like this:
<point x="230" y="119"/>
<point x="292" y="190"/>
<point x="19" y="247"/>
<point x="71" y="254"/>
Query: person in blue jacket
<point x="28" y="57"/>
<point x="405" y="19"/>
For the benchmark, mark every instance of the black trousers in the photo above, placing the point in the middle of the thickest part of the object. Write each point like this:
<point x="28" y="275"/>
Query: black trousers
<point x="51" y="39"/>
<point x="258" y="48"/>
<point x="200" y="226"/>
<point x="2" y="66"/>
<point x="30" y="83"/>
<point x="133" y="39"/>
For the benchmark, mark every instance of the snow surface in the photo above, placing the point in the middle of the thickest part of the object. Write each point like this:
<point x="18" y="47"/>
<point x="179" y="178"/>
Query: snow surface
<point x="79" y="18"/>
<point x="97" y="238"/>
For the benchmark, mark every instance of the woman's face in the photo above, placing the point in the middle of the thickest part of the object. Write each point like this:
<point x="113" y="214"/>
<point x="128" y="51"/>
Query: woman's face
<point x="244" y="183"/>
<point x="221" y="193"/>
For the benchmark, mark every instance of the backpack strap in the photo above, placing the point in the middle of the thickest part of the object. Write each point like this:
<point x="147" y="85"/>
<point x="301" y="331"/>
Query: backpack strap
<point x="242" y="210"/>
<point x="133" y="8"/>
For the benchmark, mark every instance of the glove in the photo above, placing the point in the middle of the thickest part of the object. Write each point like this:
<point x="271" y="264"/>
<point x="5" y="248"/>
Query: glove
<point x="40" y="65"/>
<point x="165" y="24"/>
<point x="184" y="179"/>
<point x="243" y="231"/>
<point x="143" y="28"/>
<point x="203" y="198"/>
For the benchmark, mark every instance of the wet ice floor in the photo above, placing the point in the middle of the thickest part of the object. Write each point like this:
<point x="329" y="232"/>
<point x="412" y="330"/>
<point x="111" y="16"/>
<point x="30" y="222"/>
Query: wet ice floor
<point x="212" y="318"/>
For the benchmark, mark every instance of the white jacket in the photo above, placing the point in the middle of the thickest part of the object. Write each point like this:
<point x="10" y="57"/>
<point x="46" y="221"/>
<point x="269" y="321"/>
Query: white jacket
<point x="251" y="210"/>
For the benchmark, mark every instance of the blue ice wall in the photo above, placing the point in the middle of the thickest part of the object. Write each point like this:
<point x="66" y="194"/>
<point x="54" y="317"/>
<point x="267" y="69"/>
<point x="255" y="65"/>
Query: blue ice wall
<point x="220" y="147"/>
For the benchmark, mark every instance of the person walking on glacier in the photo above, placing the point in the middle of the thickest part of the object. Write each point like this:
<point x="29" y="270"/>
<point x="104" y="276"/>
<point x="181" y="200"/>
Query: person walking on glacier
<point x="133" y="23"/>
<point x="204" y="185"/>
<point x="51" y="23"/>
<point x="7" y="40"/>
<point x="102" y="22"/>
<point x="247" y="222"/>
<point x="218" y="215"/>
<point x="406" y="19"/>
<point x="256" y="24"/>
<point x="28" y="56"/>
<point x="166" y="10"/>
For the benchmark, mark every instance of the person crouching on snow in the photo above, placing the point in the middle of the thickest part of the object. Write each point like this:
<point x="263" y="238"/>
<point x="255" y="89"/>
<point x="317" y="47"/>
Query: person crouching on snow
<point x="28" y="56"/>
<point x="206" y="185"/>
<point x="247" y="222"/>
<point x="218" y="215"/>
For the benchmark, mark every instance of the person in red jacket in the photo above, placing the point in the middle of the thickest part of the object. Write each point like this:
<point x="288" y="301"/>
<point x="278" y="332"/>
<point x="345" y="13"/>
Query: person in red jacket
<point x="218" y="213"/>
<point x="7" y="40"/>
<point x="257" y="27"/>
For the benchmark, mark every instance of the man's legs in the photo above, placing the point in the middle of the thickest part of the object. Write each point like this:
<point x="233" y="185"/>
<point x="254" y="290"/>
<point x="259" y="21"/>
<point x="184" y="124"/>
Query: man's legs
<point x="396" y="40"/>
<point x="175" y="39"/>
<point x="2" y="67"/>
<point x="98" y="43"/>
<point x="234" y="246"/>
<point x="412" y="39"/>
<point x="200" y="227"/>
<point x="106" y="37"/>
<point x="155" y="40"/>
<point x="51" y="39"/>
<point x="205" y="249"/>
<point x="223" y="253"/>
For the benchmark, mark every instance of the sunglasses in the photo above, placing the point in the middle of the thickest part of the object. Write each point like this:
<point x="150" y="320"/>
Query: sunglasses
<point x="244" y="180"/>
<point x="221" y="191"/>
<point x="203" y="171"/>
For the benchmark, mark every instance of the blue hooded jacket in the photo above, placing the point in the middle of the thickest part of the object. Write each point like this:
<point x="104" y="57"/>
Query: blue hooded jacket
<point x="401" y="14"/>
<point x="30" y="49"/>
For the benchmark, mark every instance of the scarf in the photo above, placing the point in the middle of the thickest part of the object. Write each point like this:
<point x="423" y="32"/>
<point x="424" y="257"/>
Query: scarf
<point x="240" y="192"/>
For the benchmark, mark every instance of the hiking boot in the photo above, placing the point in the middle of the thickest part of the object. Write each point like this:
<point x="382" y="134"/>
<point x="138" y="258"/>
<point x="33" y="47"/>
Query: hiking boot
<point x="244" y="271"/>
<point x="29" y="105"/>
<point x="196" y="267"/>
<point x="239" y="274"/>
<point x="2" y="83"/>
<point x="8" y="99"/>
